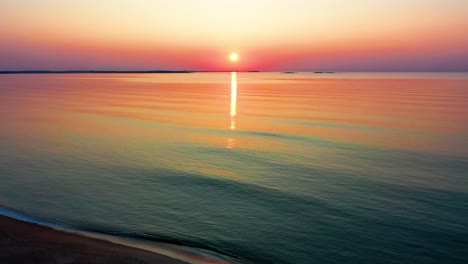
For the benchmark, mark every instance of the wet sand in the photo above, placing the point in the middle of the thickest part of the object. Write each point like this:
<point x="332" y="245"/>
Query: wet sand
<point x="22" y="242"/>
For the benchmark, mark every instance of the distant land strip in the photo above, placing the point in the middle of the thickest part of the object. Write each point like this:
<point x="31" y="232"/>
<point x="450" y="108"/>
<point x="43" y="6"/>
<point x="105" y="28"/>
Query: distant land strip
<point x="86" y="71"/>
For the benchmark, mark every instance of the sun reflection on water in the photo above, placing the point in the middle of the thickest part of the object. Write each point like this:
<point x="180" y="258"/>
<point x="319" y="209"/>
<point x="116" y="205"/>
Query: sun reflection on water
<point x="233" y="100"/>
<point x="233" y="112"/>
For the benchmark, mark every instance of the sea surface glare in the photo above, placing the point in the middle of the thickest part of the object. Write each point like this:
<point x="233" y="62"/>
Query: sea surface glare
<point x="247" y="167"/>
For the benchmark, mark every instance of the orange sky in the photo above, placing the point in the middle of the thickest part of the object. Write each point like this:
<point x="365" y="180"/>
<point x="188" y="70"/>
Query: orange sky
<point x="424" y="35"/>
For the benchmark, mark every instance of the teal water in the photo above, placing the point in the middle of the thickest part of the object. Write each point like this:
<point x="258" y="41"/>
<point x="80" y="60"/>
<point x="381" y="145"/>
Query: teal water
<point x="250" y="167"/>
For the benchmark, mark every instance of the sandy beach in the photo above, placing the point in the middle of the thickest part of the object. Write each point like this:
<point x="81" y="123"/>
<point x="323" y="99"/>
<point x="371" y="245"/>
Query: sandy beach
<point x="22" y="242"/>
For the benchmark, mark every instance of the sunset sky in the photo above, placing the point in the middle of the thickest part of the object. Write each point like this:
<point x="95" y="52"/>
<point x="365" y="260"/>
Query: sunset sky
<point x="268" y="35"/>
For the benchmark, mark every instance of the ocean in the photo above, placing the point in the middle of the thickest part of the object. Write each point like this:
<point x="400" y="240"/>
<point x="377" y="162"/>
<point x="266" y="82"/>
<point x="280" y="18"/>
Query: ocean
<point x="245" y="167"/>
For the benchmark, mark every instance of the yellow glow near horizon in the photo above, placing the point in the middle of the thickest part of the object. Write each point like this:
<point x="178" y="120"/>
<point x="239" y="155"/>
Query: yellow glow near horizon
<point x="233" y="57"/>
<point x="296" y="35"/>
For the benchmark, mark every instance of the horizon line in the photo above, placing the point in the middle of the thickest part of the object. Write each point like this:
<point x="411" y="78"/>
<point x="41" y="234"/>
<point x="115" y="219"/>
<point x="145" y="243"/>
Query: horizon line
<point x="198" y="71"/>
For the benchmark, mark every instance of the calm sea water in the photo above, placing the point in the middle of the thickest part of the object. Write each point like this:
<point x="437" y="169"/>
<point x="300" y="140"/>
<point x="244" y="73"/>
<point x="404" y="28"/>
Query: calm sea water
<point x="258" y="167"/>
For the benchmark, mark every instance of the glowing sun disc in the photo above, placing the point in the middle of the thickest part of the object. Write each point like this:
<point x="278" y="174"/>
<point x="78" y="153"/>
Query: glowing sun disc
<point x="233" y="57"/>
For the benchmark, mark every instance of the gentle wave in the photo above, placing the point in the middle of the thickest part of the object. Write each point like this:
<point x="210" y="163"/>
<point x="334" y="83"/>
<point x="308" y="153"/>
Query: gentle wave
<point x="184" y="250"/>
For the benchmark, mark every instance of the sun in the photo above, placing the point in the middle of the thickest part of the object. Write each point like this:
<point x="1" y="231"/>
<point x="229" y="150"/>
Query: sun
<point x="233" y="57"/>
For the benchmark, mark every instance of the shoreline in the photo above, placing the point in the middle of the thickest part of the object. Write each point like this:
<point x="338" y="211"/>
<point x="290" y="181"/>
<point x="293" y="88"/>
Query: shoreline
<point x="25" y="239"/>
<point x="24" y="242"/>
